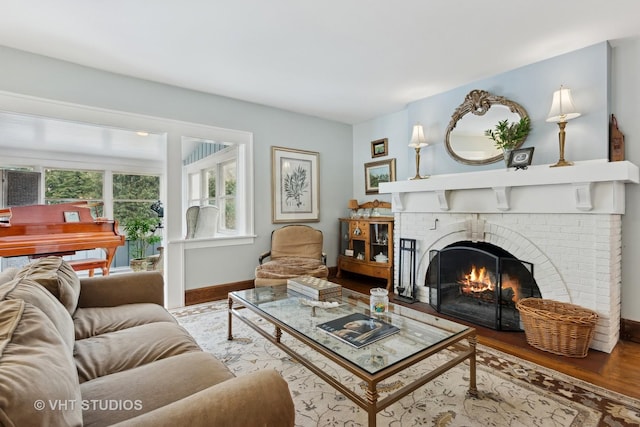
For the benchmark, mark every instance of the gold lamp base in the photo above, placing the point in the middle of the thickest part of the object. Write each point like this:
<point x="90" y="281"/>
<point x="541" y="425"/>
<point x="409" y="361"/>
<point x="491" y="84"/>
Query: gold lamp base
<point x="418" y="166"/>
<point x="561" y="142"/>
<point x="562" y="163"/>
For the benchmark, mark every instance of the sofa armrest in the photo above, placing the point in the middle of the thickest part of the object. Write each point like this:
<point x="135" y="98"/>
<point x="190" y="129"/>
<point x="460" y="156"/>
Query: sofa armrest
<point x="258" y="399"/>
<point x="118" y="289"/>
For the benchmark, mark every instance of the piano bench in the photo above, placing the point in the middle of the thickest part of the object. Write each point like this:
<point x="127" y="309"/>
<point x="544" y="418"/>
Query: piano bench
<point x="90" y="264"/>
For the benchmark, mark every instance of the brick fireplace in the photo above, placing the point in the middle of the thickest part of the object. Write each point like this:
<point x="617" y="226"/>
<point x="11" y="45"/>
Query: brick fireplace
<point x="565" y="221"/>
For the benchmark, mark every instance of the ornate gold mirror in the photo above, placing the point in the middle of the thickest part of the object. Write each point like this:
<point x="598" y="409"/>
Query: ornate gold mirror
<point x="466" y="141"/>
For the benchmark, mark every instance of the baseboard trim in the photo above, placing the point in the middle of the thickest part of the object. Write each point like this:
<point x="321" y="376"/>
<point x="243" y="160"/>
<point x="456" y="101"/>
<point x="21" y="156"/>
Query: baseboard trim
<point x="214" y="293"/>
<point x="629" y="330"/>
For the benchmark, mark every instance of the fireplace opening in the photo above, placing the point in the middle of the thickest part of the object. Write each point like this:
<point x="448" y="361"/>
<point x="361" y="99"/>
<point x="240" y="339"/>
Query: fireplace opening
<point x="481" y="283"/>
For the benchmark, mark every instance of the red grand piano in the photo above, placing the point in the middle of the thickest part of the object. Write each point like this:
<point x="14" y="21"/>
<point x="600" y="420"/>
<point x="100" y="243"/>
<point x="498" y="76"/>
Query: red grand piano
<point x="63" y="229"/>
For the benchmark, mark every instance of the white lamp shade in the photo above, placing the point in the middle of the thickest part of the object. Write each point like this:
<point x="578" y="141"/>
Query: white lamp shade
<point x="417" y="137"/>
<point x="562" y="106"/>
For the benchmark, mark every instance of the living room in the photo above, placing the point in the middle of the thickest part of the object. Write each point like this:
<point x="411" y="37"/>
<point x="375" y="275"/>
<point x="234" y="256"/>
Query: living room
<point x="602" y="77"/>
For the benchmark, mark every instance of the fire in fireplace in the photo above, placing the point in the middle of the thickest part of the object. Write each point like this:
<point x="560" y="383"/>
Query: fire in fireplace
<point x="481" y="283"/>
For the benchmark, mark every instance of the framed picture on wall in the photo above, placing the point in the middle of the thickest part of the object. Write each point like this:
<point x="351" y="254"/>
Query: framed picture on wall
<point x="295" y="185"/>
<point x="379" y="147"/>
<point x="377" y="172"/>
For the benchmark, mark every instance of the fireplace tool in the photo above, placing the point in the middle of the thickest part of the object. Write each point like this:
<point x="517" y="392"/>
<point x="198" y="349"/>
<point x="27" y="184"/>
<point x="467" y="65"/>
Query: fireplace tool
<point x="406" y="287"/>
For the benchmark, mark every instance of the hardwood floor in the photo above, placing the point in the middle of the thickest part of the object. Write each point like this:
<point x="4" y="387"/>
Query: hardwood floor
<point x="618" y="371"/>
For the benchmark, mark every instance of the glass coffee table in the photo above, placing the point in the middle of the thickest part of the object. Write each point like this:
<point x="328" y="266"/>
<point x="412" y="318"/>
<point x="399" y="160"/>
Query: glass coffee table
<point x="418" y="337"/>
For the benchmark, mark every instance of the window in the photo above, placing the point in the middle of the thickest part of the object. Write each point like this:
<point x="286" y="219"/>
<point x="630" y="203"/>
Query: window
<point x="64" y="186"/>
<point x="227" y="199"/>
<point x="133" y="195"/>
<point x="212" y="171"/>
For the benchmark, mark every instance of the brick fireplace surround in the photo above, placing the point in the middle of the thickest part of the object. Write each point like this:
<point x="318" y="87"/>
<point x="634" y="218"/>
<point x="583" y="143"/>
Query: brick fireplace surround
<point x="566" y="221"/>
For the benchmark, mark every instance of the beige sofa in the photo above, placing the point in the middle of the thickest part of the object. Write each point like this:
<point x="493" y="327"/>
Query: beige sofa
<point x="104" y="351"/>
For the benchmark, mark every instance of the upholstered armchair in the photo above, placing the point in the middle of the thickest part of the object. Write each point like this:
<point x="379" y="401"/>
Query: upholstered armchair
<point x="202" y="221"/>
<point x="296" y="250"/>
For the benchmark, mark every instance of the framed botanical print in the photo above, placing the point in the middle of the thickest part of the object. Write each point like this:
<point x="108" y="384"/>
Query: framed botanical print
<point x="295" y="185"/>
<point x="377" y="172"/>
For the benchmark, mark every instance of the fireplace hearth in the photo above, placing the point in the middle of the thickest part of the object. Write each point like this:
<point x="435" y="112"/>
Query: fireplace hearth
<point x="481" y="283"/>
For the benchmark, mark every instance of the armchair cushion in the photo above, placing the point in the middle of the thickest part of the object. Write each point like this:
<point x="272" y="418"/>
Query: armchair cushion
<point x="288" y="267"/>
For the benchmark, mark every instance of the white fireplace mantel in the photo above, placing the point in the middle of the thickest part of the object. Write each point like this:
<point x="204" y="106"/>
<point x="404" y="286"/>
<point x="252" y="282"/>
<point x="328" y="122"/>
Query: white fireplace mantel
<point x="594" y="186"/>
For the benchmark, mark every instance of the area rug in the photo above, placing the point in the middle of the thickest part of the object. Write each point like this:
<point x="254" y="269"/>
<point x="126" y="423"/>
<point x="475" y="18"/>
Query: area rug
<point x="512" y="392"/>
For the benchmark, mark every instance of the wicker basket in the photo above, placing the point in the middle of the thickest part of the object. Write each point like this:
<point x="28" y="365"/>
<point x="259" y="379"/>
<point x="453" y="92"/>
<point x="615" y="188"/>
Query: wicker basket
<point x="557" y="327"/>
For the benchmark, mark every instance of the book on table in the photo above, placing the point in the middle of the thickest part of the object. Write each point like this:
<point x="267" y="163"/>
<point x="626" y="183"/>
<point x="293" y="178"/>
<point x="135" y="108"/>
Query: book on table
<point x="358" y="329"/>
<point x="314" y="287"/>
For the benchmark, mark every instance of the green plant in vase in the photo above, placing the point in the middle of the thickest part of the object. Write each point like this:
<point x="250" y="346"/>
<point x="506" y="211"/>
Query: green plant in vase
<point x="141" y="235"/>
<point x="507" y="136"/>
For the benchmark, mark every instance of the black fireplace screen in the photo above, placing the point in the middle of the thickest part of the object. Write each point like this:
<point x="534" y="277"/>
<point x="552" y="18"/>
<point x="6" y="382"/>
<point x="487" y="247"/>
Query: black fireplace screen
<point x="481" y="283"/>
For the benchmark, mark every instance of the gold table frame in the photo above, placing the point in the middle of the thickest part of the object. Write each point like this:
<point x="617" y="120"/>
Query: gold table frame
<point x="369" y="402"/>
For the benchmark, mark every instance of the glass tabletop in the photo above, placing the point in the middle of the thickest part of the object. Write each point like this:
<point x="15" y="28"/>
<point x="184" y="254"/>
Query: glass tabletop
<point x="412" y="331"/>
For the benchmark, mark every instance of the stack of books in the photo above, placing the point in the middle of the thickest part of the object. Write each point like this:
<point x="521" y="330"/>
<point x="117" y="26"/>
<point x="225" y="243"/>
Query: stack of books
<point x="315" y="288"/>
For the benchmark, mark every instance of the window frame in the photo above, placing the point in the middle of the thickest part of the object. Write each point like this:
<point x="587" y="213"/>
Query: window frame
<point x="215" y="162"/>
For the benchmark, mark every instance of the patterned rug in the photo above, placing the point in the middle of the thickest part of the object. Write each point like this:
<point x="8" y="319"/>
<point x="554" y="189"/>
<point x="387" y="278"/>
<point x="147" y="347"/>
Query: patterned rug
<point x="512" y="392"/>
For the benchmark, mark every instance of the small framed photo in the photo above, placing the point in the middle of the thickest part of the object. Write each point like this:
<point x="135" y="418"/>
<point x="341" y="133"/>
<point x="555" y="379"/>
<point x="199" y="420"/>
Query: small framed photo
<point x="72" y="216"/>
<point x="521" y="158"/>
<point x="377" y="172"/>
<point x="379" y="147"/>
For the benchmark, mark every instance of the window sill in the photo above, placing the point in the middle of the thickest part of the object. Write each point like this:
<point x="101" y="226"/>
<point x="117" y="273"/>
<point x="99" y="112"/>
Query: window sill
<point x="212" y="242"/>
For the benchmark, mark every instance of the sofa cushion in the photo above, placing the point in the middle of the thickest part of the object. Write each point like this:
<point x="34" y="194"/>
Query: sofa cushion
<point x="101" y="320"/>
<point x="36" y="370"/>
<point x="31" y="292"/>
<point x="152" y="386"/>
<point x="129" y="348"/>
<point x="58" y="277"/>
<point x="8" y="275"/>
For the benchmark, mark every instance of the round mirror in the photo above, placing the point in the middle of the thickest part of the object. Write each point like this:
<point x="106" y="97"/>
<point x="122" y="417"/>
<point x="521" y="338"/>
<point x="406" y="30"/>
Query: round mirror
<point x="466" y="141"/>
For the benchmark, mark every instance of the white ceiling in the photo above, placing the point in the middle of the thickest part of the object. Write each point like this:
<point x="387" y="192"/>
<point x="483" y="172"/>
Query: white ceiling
<point x="24" y="132"/>
<point x="345" y="60"/>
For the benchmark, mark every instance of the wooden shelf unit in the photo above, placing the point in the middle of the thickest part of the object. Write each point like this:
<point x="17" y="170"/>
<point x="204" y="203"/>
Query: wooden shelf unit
<point x="361" y="240"/>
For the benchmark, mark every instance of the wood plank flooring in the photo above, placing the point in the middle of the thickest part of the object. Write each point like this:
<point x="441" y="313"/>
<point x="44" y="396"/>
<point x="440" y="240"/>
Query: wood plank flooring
<point x="618" y="371"/>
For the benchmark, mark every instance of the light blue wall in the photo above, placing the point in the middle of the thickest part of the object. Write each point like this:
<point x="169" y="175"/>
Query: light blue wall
<point x="585" y="72"/>
<point x="38" y="76"/>
<point x="394" y="128"/>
